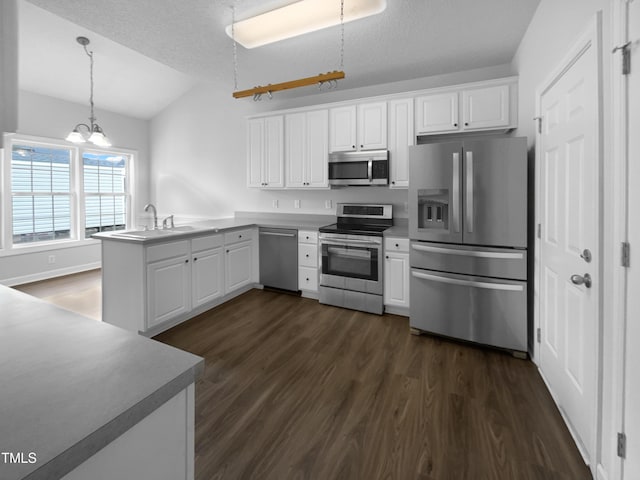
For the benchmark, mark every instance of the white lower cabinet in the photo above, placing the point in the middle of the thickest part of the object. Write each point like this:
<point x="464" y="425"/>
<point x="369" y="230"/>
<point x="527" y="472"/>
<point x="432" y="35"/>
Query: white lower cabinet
<point x="396" y="274"/>
<point x="308" y="261"/>
<point x="149" y="288"/>
<point x="168" y="282"/>
<point x="207" y="276"/>
<point x="238" y="266"/>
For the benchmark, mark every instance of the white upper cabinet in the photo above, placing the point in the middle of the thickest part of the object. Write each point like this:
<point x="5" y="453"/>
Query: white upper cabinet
<point x="400" y="137"/>
<point x="486" y="107"/>
<point x="361" y="127"/>
<point x="265" y="152"/>
<point x="342" y="129"/>
<point x="437" y="113"/>
<point x="489" y="105"/>
<point x="306" y="149"/>
<point x="372" y="126"/>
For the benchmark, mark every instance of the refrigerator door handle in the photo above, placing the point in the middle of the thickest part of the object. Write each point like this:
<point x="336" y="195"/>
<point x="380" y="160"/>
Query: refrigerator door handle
<point x="469" y="253"/>
<point x="468" y="283"/>
<point x="469" y="206"/>
<point x="456" y="193"/>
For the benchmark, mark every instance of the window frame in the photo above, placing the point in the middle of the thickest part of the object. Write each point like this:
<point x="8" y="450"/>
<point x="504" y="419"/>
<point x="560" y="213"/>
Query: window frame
<point x="77" y="194"/>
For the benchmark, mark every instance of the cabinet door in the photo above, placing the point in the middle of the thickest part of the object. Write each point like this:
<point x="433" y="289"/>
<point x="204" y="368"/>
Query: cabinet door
<point x="295" y="149"/>
<point x="400" y="138"/>
<point x="342" y="129"/>
<point x="317" y="149"/>
<point x="255" y="152"/>
<point x="206" y="276"/>
<point x="437" y="113"/>
<point x="308" y="279"/>
<point x="486" y="107"/>
<point x="372" y="126"/>
<point x="274" y="152"/>
<point x="238" y="266"/>
<point x="396" y="279"/>
<point x="168" y="289"/>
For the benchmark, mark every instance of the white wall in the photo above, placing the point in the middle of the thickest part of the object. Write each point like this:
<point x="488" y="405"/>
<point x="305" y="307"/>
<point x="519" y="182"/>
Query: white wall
<point x="199" y="151"/>
<point x="8" y="66"/>
<point x="556" y="26"/>
<point x="49" y="117"/>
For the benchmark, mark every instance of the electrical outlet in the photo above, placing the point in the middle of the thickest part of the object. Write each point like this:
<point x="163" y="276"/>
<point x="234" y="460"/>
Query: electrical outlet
<point x="275" y="203"/>
<point x="327" y="204"/>
<point x="52" y="259"/>
<point x="296" y="204"/>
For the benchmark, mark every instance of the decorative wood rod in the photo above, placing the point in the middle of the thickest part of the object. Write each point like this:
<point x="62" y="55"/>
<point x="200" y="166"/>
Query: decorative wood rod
<point x="302" y="82"/>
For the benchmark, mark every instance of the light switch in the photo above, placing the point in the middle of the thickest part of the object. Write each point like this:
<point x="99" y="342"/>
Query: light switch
<point x="327" y="204"/>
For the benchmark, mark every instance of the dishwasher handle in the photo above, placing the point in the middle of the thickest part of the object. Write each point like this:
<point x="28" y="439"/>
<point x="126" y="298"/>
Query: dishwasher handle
<point x="278" y="234"/>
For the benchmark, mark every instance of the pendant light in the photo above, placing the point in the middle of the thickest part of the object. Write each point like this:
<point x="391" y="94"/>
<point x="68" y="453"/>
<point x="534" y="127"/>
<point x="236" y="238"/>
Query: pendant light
<point x="92" y="132"/>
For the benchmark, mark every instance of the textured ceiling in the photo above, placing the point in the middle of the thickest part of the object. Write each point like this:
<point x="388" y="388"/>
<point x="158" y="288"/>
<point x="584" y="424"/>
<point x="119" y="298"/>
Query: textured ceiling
<point x="410" y="39"/>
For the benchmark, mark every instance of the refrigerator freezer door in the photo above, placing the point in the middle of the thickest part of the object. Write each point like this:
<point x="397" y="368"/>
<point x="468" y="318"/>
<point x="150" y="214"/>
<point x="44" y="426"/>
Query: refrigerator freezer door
<point x="495" y="192"/>
<point x="478" y="309"/>
<point x="435" y="192"/>
<point x="470" y="260"/>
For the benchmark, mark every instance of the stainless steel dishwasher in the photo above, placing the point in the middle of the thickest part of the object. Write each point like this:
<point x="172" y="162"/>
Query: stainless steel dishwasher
<point x="279" y="258"/>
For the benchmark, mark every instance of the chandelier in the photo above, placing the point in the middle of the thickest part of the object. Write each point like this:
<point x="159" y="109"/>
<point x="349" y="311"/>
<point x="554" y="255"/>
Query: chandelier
<point x="91" y="132"/>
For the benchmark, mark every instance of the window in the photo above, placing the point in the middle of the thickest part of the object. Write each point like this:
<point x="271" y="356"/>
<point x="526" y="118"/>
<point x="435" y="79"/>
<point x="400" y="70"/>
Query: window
<point x="55" y="192"/>
<point x="105" y="191"/>
<point x="41" y="193"/>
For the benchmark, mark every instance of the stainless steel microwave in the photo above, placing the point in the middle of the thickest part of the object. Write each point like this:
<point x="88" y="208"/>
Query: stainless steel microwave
<point x="369" y="167"/>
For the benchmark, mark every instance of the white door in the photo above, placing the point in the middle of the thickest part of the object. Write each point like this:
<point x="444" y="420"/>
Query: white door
<point x="317" y="149"/>
<point x="168" y="289"/>
<point x="400" y="138"/>
<point x="255" y="152"/>
<point x="274" y="151"/>
<point x="238" y="264"/>
<point x="631" y="464"/>
<point x="342" y="129"/>
<point x="294" y="132"/>
<point x="206" y="276"/>
<point x="569" y="216"/>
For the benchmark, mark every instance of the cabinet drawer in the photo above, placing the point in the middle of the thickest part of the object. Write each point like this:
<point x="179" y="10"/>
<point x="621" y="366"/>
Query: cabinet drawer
<point x="308" y="279"/>
<point x="206" y="243"/>
<point x="307" y="255"/>
<point x="306" y="236"/>
<point x="396" y="245"/>
<point x="167" y="250"/>
<point x="238" y="236"/>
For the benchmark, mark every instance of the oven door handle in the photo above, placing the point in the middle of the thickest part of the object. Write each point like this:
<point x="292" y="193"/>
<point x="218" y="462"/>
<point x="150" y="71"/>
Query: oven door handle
<point x="370" y="170"/>
<point x="349" y="253"/>
<point x="346" y="243"/>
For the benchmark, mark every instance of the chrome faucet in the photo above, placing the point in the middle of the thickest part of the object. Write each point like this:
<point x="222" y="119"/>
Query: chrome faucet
<point x="155" y="214"/>
<point x="165" y="222"/>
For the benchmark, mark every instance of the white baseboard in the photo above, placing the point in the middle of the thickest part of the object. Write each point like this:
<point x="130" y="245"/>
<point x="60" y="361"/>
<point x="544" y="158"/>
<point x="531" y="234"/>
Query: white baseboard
<point x="601" y="474"/>
<point x="60" y="272"/>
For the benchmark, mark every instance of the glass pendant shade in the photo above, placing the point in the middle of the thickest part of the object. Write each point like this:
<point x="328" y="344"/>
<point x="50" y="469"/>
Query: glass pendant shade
<point x="98" y="137"/>
<point x="75" y="136"/>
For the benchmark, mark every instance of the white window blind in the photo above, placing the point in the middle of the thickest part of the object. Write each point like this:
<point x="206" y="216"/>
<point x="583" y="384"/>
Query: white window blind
<point x="106" y="192"/>
<point x="41" y="193"/>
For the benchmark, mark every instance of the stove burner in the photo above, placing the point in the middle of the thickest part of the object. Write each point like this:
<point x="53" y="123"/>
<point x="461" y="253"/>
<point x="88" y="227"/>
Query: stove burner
<point x="355" y="229"/>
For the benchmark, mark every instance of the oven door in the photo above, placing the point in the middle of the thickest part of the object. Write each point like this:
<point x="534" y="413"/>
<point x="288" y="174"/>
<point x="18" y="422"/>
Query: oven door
<point x="352" y="265"/>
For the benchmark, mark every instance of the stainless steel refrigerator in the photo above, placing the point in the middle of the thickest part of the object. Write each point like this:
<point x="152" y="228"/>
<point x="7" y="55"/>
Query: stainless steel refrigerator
<point x="468" y="231"/>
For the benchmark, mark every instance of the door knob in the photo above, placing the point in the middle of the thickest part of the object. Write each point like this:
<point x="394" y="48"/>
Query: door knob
<point x="582" y="279"/>
<point x="586" y="255"/>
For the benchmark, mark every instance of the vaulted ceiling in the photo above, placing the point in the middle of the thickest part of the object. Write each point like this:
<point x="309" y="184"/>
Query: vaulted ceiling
<point x="148" y="52"/>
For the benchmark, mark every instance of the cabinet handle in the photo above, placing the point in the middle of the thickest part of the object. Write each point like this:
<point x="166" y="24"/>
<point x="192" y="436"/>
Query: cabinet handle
<point x="397" y="245"/>
<point x="393" y="182"/>
<point x="307" y="279"/>
<point x="466" y="124"/>
<point x="196" y="258"/>
<point x="239" y="236"/>
<point x="353" y="146"/>
<point x="455" y="124"/>
<point x="227" y="251"/>
<point x="186" y="261"/>
<point x="387" y="257"/>
<point x="361" y="146"/>
<point x="307" y="255"/>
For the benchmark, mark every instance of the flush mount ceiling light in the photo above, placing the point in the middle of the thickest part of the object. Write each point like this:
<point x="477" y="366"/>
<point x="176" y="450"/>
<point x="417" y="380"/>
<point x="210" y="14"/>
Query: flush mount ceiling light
<point x="298" y="18"/>
<point x="92" y="132"/>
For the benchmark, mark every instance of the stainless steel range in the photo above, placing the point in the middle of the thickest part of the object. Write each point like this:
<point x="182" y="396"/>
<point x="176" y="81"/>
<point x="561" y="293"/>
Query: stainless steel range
<point x="351" y="252"/>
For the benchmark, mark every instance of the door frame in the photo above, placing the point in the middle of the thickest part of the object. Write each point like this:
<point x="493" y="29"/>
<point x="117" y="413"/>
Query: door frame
<point x="591" y="37"/>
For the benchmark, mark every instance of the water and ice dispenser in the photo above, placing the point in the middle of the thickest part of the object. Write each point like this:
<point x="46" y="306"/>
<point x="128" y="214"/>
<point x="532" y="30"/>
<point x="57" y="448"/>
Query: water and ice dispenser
<point x="433" y="208"/>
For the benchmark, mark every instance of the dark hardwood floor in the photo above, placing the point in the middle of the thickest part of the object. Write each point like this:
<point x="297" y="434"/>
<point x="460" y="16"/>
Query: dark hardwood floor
<point x="297" y="390"/>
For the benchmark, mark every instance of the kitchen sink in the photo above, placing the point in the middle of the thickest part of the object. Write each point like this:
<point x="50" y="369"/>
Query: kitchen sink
<point x="142" y="233"/>
<point x="182" y="228"/>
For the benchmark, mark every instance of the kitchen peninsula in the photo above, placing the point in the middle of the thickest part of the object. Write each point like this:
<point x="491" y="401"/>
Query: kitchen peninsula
<point x="81" y="398"/>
